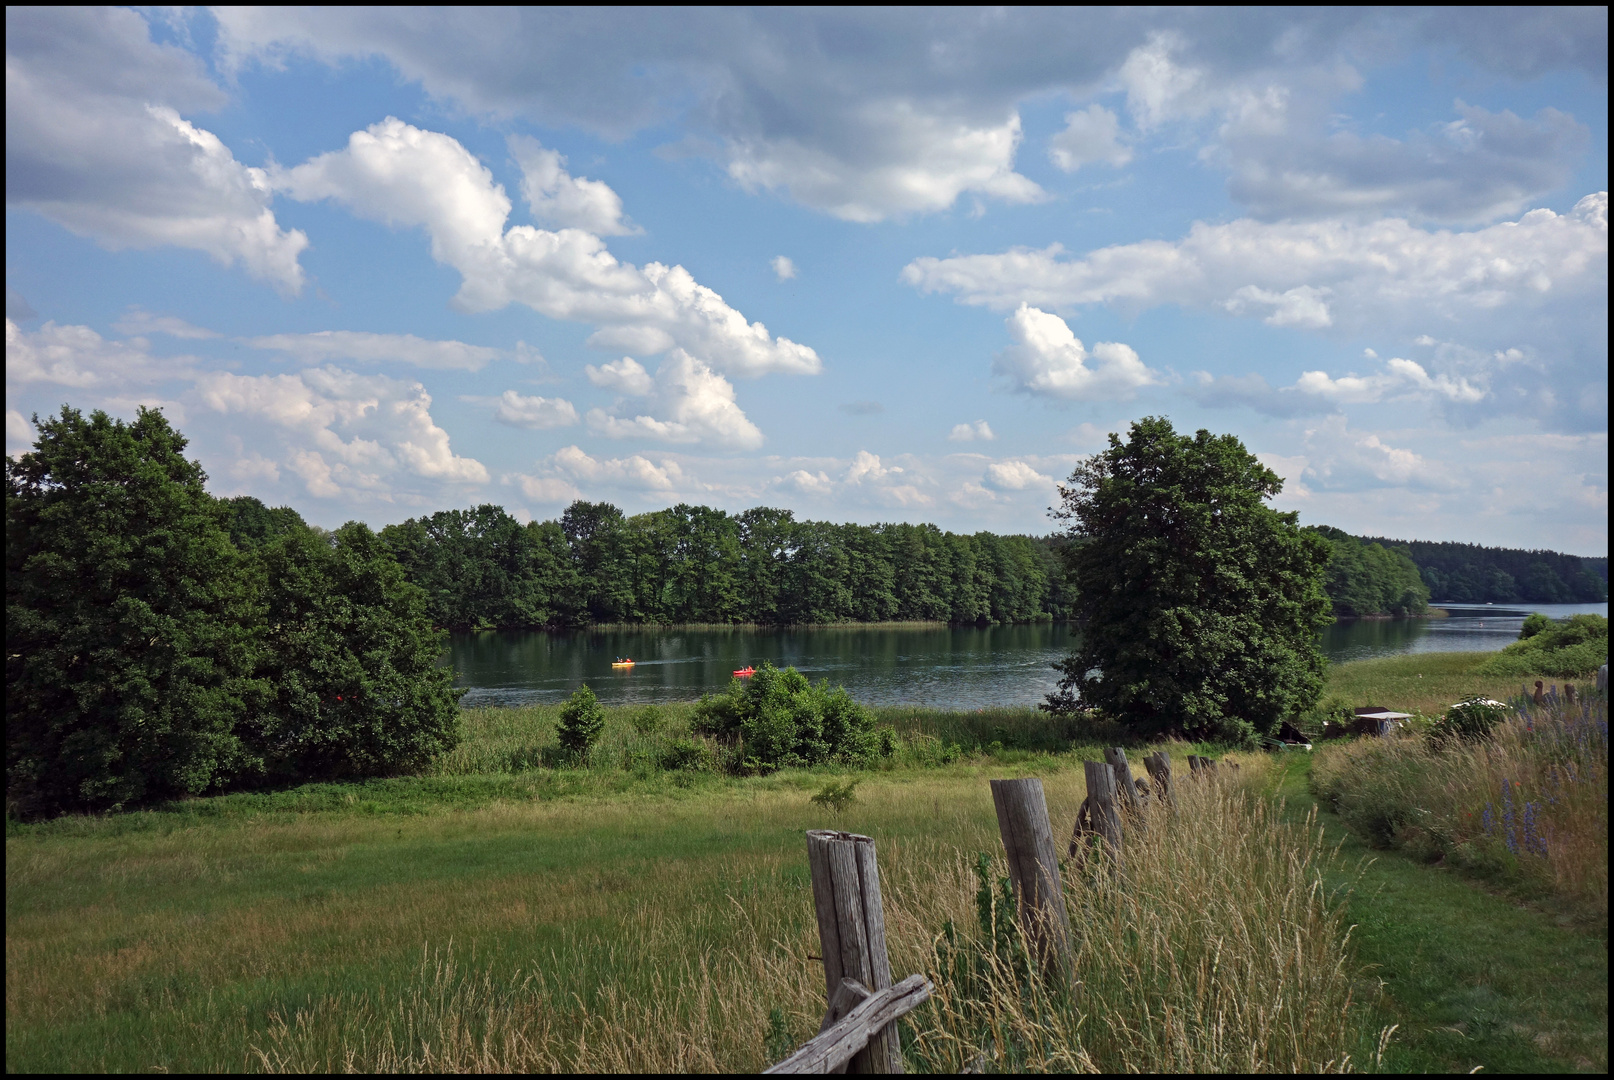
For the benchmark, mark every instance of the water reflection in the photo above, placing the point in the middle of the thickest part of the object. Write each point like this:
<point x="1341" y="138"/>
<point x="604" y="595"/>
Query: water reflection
<point x="963" y="668"/>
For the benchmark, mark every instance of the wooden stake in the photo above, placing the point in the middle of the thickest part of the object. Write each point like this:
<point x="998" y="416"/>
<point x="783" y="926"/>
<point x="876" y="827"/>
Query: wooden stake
<point x="851" y="932"/>
<point x="1106" y="818"/>
<point x="1159" y="766"/>
<point x="1123" y="782"/>
<point x="1028" y="839"/>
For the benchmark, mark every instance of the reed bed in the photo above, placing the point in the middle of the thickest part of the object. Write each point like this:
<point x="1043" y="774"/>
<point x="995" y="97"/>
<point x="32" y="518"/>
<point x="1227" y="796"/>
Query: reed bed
<point x="1217" y="949"/>
<point x="1528" y="805"/>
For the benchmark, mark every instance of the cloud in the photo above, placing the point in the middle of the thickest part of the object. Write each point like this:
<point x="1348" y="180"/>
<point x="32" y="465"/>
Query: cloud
<point x="560" y="199"/>
<point x="625" y="376"/>
<point x="95" y="143"/>
<point x="783" y="268"/>
<point x="1317" y="391"/>
<point x="807" y="483"/>
<point x="1013" y="476"/>
<point x="908" y="160"/>
<point x="538" y="413"/>
<point x="1301" y="274"/>
<point x="78" y="357"/>
<point x="1047" y="359"/>
<point x="1091" y="135"/>
<point x="1340" y="459"/>
<point x="366" y="347"/>
<point x="971" y="432"/>
<point x="687" y="402"/>
<point x="635" y="473"/>
<point x="391" y="440"/>
<point x="137" y="322"/>
<point x="869" y="114"/>
<point x="20" y="434"/>
<point x="403" y="176"/>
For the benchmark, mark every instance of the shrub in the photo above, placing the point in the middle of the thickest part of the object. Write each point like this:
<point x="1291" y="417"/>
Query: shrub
<point x="1575" y="647"/>
<point x="581" y="721"/>
<point x="685" y="753"/>
<point x="781" y="719"/>
<point x="647" y="721"/>
<point x="1534" y="623"/>
<point x="1468" y="721"/>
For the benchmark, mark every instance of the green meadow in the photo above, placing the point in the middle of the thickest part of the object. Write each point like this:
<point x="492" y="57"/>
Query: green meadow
<point x="508" y="912"/>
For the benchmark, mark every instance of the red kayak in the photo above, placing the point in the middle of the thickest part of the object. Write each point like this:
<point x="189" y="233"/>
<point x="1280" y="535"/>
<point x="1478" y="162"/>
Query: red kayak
<point x="745" y="672"/>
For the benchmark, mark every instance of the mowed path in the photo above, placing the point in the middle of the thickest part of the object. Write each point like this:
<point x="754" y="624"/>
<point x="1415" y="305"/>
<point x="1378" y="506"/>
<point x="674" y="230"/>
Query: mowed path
<point x="1472" y="978"/>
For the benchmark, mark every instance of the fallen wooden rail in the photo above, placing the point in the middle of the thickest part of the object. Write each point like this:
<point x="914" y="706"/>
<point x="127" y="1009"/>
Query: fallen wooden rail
<point x="842" y="1040"/>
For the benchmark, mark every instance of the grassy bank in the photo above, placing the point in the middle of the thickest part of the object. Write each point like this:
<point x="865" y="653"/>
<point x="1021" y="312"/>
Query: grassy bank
<point x="1423" y="683"/>
<point x="500" y="913"/>
<point x="1471" y="977"/>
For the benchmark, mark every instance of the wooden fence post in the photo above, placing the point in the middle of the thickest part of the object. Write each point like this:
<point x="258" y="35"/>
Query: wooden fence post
<point x="851" y="933"/>
<point x="1159" y="766"/>
<point x="1123" y="782"/>
<point x="1098" y="813"/>
<point x="1028" y="840"/>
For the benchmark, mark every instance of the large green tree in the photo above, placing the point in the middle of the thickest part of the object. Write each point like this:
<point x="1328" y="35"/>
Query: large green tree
<point x="351" y="659"/>
<point x="129" y="620"/>
<point x="1200" y="605"/>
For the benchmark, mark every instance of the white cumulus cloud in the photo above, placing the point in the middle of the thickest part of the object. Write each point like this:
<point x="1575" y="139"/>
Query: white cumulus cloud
<point x="687" y="402"/>
<point x="1091" y="135"/>
<point x="558" y="198"/>
<point x="520" y="410"/>
<point x="1048" y="359"/>
<point x="404" y="176"/>
<point x="1013" y="476"/>
<point x="783" y="268"/>
<point x="970" y="432"/>
<point x="95" y="143"/>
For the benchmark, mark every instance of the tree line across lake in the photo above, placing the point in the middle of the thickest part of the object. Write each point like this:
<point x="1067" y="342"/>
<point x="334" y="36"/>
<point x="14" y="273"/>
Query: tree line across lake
<point x="483" y="569"/>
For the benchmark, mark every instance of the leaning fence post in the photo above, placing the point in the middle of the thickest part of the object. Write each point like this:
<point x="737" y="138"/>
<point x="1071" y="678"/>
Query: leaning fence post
<point x="851" y="932"/>
<point x="1123" y="781"/>
<point x="1105" y="818"/>
<point x="1159" y="766"/>
<point x="1028" y="840"/>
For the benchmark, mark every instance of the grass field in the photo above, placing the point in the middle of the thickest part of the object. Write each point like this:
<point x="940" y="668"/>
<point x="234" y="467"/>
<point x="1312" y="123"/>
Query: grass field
<point x="499" y="913"/>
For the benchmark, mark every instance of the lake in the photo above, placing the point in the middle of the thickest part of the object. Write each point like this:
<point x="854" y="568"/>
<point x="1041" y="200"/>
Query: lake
<point x="955" y="667"/>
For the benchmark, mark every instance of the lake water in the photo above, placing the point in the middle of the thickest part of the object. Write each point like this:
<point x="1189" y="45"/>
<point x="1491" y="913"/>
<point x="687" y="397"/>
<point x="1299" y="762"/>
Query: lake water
<point x="960" y="668"/>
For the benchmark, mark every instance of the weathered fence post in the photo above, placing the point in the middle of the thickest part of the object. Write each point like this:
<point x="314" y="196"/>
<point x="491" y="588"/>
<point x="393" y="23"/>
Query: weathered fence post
<point x="1098" y="813"/>
<point x="1028" y="840"/>
<point x="1123" y="781"/>
<point x="1159" y="766"/>
<point x="851" y="931"/>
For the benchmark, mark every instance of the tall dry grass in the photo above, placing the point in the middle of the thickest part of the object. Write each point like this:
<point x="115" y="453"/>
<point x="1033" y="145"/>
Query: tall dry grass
<point x="1528" y="804"/>
<point x="1217" y="949"/>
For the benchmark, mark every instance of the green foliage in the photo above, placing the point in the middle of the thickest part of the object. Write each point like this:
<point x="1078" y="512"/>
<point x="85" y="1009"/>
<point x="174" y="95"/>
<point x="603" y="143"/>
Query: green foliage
<point x="1370" y="579"/>
<point x="1471" y="574"/>
<point x="581" y="721"/>
<point x="1569" y="649"/>
<point x="352" y="662"/>
<point x="1534" y="623"/>
<point x="836" y="796"/>
<point x="778" y="1044"/>
<point x="1470" y="720"/>
<point x="647" y="721"/>
<point x="129" y="620"/>
<point x="1200" y="604"/>
<point x="251" y="524"/>
<point x="781" y="719"/>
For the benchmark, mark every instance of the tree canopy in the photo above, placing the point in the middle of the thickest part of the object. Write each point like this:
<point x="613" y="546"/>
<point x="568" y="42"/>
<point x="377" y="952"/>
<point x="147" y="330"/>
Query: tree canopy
<point x="1201" y="605"/>
<point x="129" y="620"/>
<point x="149" y="656"/>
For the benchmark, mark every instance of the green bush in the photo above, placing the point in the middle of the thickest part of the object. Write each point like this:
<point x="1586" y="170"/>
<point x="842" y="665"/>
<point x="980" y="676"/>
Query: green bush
<point x="1534" y="623"/>
<point x="1564" y="650"/>
<point x="581" y="721"/>
<point x="685" y="753"/>
<point x="782" y="719"/>
<point x="1472" y="720"/>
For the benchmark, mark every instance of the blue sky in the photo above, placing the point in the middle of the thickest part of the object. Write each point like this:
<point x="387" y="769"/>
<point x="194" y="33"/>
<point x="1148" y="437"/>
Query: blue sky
<point x="868" y="265"/>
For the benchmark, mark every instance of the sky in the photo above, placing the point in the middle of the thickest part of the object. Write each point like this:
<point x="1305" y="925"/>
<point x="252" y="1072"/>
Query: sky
<point x="870" y="265"/>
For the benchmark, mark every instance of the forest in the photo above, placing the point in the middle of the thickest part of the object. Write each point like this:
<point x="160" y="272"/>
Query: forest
<point x="1471" y="574"/>
<point x="483" y="569"/>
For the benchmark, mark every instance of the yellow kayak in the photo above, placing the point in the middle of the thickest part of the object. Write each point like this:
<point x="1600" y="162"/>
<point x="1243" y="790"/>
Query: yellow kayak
<point x="622" y="663"/>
